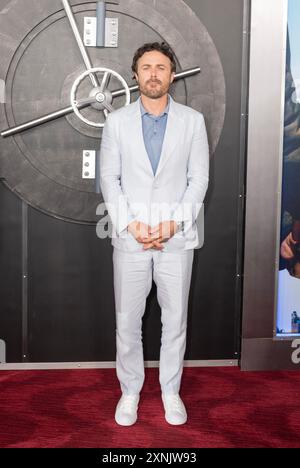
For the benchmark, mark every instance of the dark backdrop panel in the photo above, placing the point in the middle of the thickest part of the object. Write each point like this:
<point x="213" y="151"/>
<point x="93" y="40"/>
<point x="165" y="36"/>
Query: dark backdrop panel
<point x="11" y="273"/>
<point x="70" y="282"/>
<point x="70" y="292"/>
<point x="214" y="314"/>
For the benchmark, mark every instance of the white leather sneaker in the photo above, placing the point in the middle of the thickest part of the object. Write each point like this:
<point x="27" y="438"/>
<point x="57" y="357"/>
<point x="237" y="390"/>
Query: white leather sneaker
<point x="126" y="410"/>
<point x="175" y="412"/>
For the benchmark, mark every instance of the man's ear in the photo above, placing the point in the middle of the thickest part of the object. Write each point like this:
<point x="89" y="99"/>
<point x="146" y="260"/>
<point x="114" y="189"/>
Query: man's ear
<point x="136" y="77"/>
<point x="172" y="76"/>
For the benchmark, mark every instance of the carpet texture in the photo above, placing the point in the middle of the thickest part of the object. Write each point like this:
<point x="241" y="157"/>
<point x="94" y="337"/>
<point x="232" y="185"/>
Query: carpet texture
<point x="75" y="408"/>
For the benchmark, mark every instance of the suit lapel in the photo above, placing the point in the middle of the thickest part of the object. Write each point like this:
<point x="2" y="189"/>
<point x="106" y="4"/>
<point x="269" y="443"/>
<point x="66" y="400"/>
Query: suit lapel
<point x="174" y="128"/>
<point x="173" y="131"/>
<point x="136" y="129"/>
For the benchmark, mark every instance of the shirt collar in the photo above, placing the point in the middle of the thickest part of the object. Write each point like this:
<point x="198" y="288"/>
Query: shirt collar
<point x="144" y="111"/>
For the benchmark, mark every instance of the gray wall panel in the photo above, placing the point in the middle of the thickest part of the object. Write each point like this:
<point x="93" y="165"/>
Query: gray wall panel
<point x="260" y="348"/>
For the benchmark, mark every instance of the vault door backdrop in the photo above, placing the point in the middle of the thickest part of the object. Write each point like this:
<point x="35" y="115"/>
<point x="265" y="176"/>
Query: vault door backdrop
<point x="56" y="289"/>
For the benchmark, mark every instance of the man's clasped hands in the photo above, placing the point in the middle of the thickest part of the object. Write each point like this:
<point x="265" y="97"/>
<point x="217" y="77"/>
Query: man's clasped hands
<point x="152" y="238"/>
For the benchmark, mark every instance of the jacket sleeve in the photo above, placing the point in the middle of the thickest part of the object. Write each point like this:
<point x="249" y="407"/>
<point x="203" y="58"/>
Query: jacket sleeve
<point x="110" y="178"/>
<point x="197" y="176"/>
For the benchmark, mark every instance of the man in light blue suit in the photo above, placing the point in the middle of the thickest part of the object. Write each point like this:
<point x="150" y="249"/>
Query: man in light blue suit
<point x="154" y="170"/>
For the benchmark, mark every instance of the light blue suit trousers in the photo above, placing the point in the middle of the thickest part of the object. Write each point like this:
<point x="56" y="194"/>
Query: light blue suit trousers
<point x="133" y="274"/>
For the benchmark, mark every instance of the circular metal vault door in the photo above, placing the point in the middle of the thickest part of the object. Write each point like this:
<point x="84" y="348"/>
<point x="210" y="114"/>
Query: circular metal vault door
<point x="40" y="61"/>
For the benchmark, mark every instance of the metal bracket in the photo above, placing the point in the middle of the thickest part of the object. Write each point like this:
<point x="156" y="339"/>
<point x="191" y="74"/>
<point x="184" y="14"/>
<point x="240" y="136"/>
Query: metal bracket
<point x="90" y="32"/>
<point x="89" y="164"/>
<point x="111" y="32"/>
<point x="2" y="92"/>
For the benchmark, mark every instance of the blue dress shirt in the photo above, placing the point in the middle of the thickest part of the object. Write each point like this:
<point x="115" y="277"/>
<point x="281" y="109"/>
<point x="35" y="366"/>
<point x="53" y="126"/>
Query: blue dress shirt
<point x="154" y="128"/>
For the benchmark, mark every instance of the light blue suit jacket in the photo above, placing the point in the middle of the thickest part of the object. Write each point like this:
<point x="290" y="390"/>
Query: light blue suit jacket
<point x="177" y="190"/>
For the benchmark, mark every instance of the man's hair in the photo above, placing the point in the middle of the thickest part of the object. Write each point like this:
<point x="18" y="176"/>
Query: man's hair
<point x="162" y="47"/>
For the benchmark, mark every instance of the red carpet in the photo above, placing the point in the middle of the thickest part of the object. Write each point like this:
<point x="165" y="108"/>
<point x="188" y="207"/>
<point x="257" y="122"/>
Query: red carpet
<point x="75" y="408"/>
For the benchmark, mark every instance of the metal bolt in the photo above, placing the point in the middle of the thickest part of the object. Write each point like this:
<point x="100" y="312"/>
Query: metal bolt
<point x="87" y="154"/>
<point x="86" y="174"/>
<point x="88" y="41"/>
<point x="87" y="164"/>
<point x="88" y="31"/>
<point x="88" y="21"/>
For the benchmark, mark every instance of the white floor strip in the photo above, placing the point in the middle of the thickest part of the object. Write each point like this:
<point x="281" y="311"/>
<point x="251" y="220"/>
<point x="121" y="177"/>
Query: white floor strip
<point x="107" y="365"/>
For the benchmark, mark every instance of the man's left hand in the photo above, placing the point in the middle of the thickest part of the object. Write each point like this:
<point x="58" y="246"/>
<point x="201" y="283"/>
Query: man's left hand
<point x="161" y="233"/>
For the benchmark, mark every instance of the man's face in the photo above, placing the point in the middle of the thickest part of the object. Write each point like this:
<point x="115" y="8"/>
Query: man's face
<point x="154" y="74"/>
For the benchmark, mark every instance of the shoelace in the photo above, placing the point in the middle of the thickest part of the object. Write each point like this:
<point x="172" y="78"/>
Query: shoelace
<point x="128" y="402"/>
<point x="175" y="402"/>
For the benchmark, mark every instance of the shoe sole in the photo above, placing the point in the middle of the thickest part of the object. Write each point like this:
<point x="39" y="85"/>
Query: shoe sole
<point x="175" y="423"/>
<point x="123" y="424"/>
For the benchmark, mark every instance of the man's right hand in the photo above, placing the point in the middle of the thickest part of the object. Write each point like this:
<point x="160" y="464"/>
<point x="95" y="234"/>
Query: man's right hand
<point x="141" y="233"/>
<point x="287" y="247"/>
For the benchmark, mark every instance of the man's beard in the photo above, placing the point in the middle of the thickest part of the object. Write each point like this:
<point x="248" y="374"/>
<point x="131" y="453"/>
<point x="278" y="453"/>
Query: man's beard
<point x="154" y="93"/>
